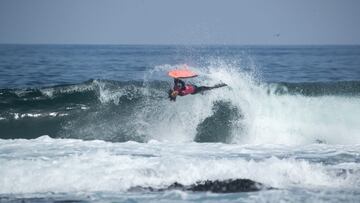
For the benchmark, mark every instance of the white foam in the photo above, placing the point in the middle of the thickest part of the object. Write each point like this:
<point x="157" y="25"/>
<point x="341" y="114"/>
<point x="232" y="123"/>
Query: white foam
<point x="31" y="115"/>
<point x="64" y="165"/>
<point x="268" y="118"/>
<point x="53" y="114"/>
<point x="16" y="116"/>
<point x="84" y="107"/>
<point x="37" y="115"/>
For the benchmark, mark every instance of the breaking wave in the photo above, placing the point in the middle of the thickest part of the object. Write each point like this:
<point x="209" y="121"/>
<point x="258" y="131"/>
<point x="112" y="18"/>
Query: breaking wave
<point x="247" y="111"/>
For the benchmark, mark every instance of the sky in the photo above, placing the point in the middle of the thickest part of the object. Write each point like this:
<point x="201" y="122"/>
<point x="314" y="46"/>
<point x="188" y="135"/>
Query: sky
<point x="240" y="22"/>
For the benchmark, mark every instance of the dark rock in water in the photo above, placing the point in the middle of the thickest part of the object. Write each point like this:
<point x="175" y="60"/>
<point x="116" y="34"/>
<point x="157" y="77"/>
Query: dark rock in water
<point x="318" y="141"/>
<point x="227" y="186"/>
<point x="216" y="186"/>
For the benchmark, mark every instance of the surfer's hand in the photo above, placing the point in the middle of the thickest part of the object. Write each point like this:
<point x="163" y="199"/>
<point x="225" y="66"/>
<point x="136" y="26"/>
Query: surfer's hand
<point x="174" y="94"/>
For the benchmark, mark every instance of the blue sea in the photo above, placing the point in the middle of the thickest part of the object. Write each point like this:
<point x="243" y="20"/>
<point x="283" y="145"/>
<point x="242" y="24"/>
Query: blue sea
<point x="93" y="123"/>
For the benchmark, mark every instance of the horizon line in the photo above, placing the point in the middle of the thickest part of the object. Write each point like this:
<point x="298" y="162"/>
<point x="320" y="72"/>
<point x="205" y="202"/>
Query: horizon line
<point x="178" y="44"/>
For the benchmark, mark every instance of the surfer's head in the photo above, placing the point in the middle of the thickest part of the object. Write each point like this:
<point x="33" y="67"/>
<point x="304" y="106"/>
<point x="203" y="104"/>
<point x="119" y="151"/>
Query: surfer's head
<point x="173" y="94"/>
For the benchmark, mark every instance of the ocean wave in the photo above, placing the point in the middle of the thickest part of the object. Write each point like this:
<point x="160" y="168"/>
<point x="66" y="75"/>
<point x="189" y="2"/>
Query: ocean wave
<point x="247" y="111"/>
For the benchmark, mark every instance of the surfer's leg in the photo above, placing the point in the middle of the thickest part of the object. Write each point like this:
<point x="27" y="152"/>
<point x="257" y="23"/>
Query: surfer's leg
<point x="199" y="89"/>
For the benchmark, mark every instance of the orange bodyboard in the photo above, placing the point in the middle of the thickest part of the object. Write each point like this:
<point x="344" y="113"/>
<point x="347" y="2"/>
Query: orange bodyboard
<point x="182" y="73"/>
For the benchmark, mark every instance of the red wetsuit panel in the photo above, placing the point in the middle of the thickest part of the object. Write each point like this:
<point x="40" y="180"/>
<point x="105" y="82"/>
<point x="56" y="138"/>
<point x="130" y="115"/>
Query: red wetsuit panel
<point x="189" y="89"/>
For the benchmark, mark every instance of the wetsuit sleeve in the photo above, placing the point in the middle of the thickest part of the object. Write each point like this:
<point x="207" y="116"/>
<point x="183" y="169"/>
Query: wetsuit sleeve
<point x="176" y="82"/>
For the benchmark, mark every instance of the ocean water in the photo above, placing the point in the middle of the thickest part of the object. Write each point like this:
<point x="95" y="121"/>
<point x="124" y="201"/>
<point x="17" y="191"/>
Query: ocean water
<point x="92" y="123"/>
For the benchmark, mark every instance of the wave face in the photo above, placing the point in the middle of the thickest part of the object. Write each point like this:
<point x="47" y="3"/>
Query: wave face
<point x="247" y="111"/>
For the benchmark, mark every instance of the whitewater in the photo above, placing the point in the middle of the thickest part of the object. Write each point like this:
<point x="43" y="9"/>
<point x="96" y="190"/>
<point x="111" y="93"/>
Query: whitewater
<point x="106" y="140"/>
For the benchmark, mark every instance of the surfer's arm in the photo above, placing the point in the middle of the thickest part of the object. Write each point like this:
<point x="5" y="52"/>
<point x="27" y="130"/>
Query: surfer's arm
<point x="182" y="83"/>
